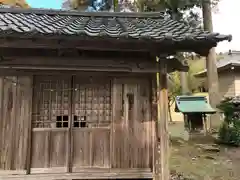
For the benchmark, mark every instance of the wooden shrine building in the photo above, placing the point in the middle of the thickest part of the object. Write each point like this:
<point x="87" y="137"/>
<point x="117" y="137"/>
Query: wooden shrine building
<point x="78" y="92"/>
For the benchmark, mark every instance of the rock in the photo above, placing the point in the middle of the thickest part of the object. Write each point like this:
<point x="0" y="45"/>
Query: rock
<point x="180" y="141"/>
<point x="209" y="148"/>
<point x="210" y="157"/>
<point x="186" y="136"/>
<point x="194" y="158"/>
<point x="177" y="176"/>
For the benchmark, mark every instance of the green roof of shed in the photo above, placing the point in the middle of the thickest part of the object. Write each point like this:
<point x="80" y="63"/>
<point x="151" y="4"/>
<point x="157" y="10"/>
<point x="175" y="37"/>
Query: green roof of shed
<point x="193" y="104"/>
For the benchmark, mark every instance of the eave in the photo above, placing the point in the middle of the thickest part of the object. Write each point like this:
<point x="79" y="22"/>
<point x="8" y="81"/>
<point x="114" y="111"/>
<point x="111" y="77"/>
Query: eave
<point x="123" y="31"/>
<point x="229" y="66"/>
<point x="106" y="44"/>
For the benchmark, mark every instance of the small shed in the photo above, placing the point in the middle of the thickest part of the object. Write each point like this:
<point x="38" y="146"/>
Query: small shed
<point x="195" y="109"/>
<point x="78" y="92"/>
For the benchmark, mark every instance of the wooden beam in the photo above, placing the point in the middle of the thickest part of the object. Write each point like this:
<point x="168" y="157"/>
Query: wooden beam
<point x="106" y="44"/>
<point x="36" y="59"/>
<point x="1" y="111"/>
<point x="30" y="133"/>
<point x="70" y="133"/>
<point x="98" y="44"/>
<point x="14" y="119"/>
<point x="112" y="64"/>
<point x="154" y="114"/>
<point x="112" y="129"/>
<point x="162" y="168"/>
<point x="83" y="69"/>
<point x="24" y="72"/>
<point x="86" y="174"/>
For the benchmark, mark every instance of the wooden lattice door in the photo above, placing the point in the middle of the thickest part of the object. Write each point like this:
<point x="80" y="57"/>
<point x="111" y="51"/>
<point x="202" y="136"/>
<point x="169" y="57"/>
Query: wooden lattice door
<point x="92" y="119"/>
<point x="50" y="118"/>
<point x="79" y="106"/>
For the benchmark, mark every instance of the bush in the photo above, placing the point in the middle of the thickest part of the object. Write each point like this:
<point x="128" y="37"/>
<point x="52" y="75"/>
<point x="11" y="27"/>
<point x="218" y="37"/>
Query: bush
<point x="229" y="132"/>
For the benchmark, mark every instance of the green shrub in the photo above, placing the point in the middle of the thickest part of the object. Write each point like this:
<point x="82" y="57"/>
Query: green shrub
<point x="229" y="132"/>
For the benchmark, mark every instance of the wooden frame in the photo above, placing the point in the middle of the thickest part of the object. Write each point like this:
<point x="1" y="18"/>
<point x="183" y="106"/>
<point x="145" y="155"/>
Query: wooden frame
<point x="163" y="122"/>
<point x="88" y="174"/>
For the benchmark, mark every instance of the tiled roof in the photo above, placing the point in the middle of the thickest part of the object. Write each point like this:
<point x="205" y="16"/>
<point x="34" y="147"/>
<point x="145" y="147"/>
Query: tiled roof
<point x="232" y="59"/>
<point x="145" y="26"/>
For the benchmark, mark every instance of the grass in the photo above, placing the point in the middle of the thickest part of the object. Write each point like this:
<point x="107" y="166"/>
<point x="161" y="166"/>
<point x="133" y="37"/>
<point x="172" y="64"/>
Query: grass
<point x="192" y="161"/>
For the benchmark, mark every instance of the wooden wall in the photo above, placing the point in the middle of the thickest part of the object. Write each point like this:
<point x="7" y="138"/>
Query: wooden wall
<point x="132" y="125"/>
<point x="226" y="83"/>
<point x="15" y="116"/>
<point x="126" y="143"/>
<point x="237" y="82"/>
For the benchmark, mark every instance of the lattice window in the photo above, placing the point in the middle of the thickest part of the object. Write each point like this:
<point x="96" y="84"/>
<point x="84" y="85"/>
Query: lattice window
<point x="92" y="102"/>
<point x="56" y="99"/>
<point x="51" y="102"/>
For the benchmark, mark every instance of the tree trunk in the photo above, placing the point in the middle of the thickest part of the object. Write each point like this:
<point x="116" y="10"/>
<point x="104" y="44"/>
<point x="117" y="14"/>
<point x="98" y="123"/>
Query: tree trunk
<point x="183" y="75"/>
<point x="212" y="74"/>
<point x="184" y="82"/>
<point x="116" y="6"/>
<point x="169" y="112"/>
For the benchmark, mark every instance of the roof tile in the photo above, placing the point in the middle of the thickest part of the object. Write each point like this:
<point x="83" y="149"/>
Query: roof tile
<point x="113" y="25"/>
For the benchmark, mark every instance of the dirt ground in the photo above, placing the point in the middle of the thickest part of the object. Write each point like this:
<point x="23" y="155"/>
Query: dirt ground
<point x="193" y="161"/>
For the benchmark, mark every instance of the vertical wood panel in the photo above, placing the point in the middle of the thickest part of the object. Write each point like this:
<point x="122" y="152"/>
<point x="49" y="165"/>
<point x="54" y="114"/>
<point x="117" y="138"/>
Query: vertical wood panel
<point x="23" y="121"/>
<point x="137" y="131"/>
<point x="8" y="123"/>
<point x="127" y="116"/>
<point x="101" y="151"/>
<point x="15" y="119"/>
<point x="117" y="120"/>
<point x="40" y="149"/>
<point x="1" y="118"/>
<point x="144" y="121"/>
<point x="58" y="149"/>
<point x="132" y="132"/>
<point x="49" y="148"/>
<point x="81" y="148"/>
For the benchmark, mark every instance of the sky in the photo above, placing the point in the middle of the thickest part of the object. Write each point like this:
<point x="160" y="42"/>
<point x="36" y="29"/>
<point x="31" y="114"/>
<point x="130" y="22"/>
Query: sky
<point x="225" y="21"/>
<point x="54" y="4"/>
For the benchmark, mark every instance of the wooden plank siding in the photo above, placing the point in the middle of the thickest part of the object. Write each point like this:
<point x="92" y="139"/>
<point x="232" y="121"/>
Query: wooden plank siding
<point x="226" y="83"/>
<point x="132" y="141"/>
<point x="120" y="134"/>
<point x="237" y="83"/>
<point x="15" y="116"/>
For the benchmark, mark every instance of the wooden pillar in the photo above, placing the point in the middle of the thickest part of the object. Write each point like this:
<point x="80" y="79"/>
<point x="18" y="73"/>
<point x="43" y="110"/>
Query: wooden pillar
<point x="70" y="133"/>
<point x="1" y="95"/>
<point x="204" y="118"/>
<point x="29" y="85"/>
<point x="162" y="148"/>
<point x="1" y="113"/>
